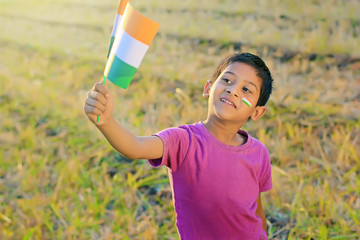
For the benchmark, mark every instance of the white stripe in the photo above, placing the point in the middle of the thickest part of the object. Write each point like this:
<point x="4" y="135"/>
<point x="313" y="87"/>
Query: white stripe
<point x="129" y="49"/>
<point x="116" y="24"/>
<point x="247" y="101"/>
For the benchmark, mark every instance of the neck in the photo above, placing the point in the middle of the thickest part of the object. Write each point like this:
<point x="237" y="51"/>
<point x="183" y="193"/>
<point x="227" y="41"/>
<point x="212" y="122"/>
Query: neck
<point x="225" y="132"/>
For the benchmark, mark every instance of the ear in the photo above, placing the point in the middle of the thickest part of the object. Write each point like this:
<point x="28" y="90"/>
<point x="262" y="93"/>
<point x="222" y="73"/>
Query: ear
<point x="258" y="112"/>
<point x="207" y="88"/>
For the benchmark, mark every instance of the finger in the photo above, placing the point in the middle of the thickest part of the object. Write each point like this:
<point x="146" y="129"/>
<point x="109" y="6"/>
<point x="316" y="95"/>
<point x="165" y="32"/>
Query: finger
<point x="101" y="88"/>
<point x="95" y="103"/>
<point x="92" y="110"/>
<point x="97" y="96"/>
<point x="92" y="117"/>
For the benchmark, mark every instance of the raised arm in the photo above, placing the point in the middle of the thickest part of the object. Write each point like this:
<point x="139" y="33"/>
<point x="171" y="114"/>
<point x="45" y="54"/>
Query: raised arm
<point x="101" y="102"/>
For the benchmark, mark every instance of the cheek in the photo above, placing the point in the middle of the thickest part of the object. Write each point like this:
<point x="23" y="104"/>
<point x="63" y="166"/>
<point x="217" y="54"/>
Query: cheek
<point x="254" y="98"/>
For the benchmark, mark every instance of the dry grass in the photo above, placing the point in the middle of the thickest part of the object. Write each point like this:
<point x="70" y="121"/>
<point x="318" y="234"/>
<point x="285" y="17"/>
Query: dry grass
<point x="59" y="179"/>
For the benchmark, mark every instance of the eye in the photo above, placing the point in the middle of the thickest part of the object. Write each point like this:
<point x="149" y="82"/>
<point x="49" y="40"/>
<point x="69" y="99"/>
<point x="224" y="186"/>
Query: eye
<point x="247" y="90"/>
<point x="226" y="80"/>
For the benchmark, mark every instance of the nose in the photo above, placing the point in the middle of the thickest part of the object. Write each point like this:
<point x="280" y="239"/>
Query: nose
<point x="230" y="91"/>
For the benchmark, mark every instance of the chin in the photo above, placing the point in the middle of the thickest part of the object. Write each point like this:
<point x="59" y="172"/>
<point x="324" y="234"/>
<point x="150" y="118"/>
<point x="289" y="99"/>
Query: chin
<point x="228" y="118"/>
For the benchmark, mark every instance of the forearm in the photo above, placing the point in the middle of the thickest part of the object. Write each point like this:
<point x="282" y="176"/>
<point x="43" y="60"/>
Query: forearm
<point x="263" y="219"/>
<point x="100" y="103"/>
<point x="120" y="139"/>
<point x="260" y="213"/>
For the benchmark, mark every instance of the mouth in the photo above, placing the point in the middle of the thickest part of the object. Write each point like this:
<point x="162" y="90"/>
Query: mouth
<point x="227" y="101"/>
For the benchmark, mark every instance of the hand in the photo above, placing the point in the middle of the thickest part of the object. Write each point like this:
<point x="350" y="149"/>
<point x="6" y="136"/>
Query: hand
<point x="99" y="102"/>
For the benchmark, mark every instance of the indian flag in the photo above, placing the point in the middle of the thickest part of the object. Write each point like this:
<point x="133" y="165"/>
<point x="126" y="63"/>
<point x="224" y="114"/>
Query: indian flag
<point x="247" y="102"/>
<point x="119" y="15"/>
<point x="133" y="37"/>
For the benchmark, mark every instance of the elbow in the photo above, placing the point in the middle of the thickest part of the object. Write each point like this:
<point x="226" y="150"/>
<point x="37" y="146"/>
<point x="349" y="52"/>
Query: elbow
<point x="130" y="156"/>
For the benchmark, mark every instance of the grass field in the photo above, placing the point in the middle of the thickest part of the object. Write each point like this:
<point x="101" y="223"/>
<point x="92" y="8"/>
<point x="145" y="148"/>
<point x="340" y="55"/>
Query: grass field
<point x="60" y="179"/>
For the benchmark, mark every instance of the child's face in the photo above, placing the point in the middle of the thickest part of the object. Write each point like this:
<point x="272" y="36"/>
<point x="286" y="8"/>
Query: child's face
<point x="226" y="94"/>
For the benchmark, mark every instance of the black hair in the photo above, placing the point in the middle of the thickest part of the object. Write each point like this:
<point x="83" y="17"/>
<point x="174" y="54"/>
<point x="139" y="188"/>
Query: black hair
<point x="258" y="64"/>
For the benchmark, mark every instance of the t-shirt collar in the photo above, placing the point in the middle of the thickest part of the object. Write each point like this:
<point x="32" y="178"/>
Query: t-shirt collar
<point x="223" y="145"/>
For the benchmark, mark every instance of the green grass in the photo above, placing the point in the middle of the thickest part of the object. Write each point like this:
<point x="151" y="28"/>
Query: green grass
<point x="60" y="179"/>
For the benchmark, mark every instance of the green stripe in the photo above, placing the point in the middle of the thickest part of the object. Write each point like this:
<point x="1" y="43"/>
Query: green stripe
<point x="247" y="104"/>
<point x="111" y="43"/>
<point x="121" y="73"/>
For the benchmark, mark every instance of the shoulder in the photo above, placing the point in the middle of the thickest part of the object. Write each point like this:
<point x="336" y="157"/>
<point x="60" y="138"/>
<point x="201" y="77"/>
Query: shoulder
<point x="253" y="142"/>
<point x="257" y="147"/>
<point x="182" y="132"/>
<point x="256" y="143"/>
<point x="187" y="129"/>
<point x="182" y="129"/>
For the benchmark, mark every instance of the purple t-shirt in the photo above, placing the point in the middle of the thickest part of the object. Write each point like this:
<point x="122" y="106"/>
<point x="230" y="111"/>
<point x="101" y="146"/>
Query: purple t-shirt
<point x="214" y="185"/>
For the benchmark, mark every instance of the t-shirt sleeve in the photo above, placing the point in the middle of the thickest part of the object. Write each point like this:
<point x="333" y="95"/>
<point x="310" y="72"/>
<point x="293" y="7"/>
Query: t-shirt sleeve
<point x="265" y="181"/>
<point x="176" y="145"/>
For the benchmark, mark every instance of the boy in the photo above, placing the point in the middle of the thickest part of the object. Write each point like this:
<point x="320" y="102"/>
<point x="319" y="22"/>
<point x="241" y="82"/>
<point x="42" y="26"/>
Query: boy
<point x="216" y="170"/>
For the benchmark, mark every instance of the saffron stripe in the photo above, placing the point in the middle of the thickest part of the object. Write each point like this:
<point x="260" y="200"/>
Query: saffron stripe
<point x="138" y="26"/>
<point x="129" y="49"/>
<point x="119" y="72"/>
<point x="122" y="6"/>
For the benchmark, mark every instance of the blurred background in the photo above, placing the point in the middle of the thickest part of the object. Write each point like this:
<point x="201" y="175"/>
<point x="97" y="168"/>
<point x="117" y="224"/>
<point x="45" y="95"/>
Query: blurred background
<point x="60" y="179"/>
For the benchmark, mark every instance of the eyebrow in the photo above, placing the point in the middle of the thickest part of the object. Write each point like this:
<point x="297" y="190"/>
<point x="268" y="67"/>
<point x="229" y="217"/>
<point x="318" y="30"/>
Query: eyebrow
<point x="244" y="80"/>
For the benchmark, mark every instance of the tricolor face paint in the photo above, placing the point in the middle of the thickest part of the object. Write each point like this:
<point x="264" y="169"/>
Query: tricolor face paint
<point x="247" y="102"/>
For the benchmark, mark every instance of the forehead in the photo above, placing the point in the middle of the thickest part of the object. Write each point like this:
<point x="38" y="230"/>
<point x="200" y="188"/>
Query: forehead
<point x="242" y="71"/>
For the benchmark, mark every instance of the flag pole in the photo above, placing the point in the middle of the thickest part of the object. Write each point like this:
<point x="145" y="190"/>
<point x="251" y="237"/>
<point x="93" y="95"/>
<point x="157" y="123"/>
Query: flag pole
<point x="120" y="10"/>
<point x="103" y="83"/>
